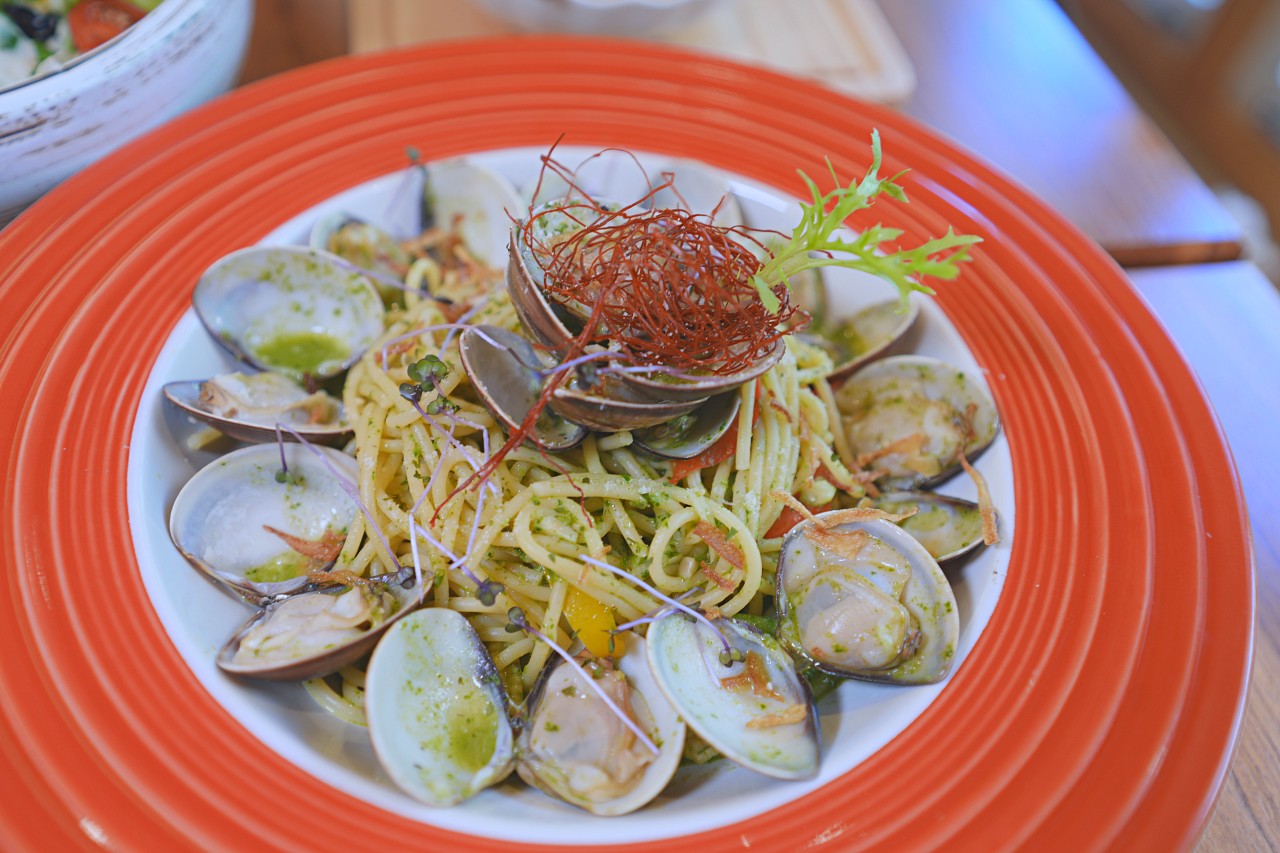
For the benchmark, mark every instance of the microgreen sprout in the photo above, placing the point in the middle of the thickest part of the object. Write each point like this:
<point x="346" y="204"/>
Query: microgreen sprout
<point x="726" y="657"/>
<point x="814" y="243"/>
<point x="518" y="622"/>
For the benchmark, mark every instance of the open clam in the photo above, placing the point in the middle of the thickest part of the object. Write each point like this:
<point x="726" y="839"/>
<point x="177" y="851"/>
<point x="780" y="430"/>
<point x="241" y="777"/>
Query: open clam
<point x="317" y="632"/>
<point x="910" y="417"/>
<point x="686" y="436"/>
<point x="247" y="407"/>
<point x="258" y="536"/>
<point x="947" y="527"/>
<point x="436" y="709"/>
<point x="295" y="311"/>
<point x="576" y="748"/>
<point x="610" y="406"/>
<point x="507" y="374"/>
<point x="555" y="324"/>
<point x="459" y="191"/>
<point x="863" y="599"/>
<point x="747" y="701"/>
<point x="873" y="332"/>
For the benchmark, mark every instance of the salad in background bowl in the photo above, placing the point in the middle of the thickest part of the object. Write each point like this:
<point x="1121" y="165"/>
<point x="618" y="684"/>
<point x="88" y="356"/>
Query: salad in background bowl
<point x="103" y="74"/>
<point x="39" y="37"/>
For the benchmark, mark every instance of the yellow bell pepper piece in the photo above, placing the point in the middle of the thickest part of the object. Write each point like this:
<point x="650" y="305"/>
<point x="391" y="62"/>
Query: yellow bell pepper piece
<point x="592" y="621"/>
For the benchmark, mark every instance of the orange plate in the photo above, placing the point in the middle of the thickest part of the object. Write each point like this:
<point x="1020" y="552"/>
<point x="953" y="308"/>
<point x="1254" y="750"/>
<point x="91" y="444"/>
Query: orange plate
<point x="1098" y="708"/>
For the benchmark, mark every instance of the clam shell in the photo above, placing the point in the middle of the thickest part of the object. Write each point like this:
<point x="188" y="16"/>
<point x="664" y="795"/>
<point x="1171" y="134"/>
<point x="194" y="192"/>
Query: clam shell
<point x="650" y="709"/>
<point x="436" y="709"/>
<point x="478" y="199"/>
<point x="690" y="434"/>
<point x="218" y="518"/>
<point x="926" y="595"/>
<point x="186" y="396"/>
<point x="947" y="527"/>
<point x="661" y="387"/>
<point x="698" y="189"/>
<point x="872" y="333"/>
<point x="310" y="662"/>
<point x="296" y="311"/>
<point x="509" y="387"/>
<point x="744" y="726"/>
<point x="539" y="317"/>
<point x="611" y="407"/>
<point x="906" y="394"/>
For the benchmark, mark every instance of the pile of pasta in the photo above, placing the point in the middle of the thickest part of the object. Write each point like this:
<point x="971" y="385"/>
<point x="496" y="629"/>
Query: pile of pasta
<point x="703" y="538"/>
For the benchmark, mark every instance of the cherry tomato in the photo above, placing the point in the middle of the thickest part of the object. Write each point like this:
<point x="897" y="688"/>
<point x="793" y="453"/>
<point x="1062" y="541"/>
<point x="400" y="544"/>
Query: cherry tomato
<point x="94" y="22"/>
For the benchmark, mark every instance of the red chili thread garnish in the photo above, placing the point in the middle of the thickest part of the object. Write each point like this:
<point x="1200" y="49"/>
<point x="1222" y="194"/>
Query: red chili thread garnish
<point x="668" y="287"/>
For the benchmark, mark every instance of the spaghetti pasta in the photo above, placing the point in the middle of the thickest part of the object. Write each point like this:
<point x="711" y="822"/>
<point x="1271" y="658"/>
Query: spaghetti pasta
<point x="528" y="525"/>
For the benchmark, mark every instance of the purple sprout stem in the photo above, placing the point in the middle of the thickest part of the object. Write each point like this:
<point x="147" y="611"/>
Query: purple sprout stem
<point x="346" y="486"/>
<point x="413" y="549"/>
<point x="464" y="321"/>
<point x="462" y="448"/>
<point x="600" y="564"/>
<point x="652" y="615"/>
<point x="591" y="682"/>
<point x="381" y="278"/>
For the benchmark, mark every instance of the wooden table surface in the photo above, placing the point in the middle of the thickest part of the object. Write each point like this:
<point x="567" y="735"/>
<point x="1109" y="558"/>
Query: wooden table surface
<point x="1012" y="81"/>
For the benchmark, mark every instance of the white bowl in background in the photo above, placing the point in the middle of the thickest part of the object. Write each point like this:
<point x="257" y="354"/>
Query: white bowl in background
<point x="612" y="17"/>
<point x="180" y="55"/>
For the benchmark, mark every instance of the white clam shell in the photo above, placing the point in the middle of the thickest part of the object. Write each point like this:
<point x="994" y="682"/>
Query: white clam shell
<point x="436" y="709"/>
<point x="218" y="519"/>
<point x="482" y="202"/>
<point x="255" y="427"/>
<point x="255" y="299"/>
<point x="684" y="657"/>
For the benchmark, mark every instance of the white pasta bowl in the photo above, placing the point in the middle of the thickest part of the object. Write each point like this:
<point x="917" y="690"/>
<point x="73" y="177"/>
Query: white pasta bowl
<point x="179" y="56"/>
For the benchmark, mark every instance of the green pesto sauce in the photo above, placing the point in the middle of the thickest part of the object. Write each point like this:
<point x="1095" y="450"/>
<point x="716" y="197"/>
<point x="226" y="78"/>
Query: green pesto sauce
<point x="303" y="352"/>
<point x="282" y="567"/>
<point x="472" y="732"/>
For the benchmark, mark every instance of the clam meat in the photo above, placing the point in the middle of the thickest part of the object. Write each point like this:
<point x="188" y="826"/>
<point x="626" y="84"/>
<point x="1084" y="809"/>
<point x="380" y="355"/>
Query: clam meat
<point x="947" y="527"/>
<point x="317" y="632"/>
<point x="910" y="417"/>
<point x="575" y="747"/>
<point x="863" y="599"/>
<point x="247" y="407"/>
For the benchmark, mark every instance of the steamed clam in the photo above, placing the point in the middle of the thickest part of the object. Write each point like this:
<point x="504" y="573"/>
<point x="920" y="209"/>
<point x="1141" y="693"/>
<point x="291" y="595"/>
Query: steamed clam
<point x="258" y="536"/>
<point x="573" y="746"/>
<point x="289" y="310"/>
<point x="436" y="709"/>
<point x="739" y="691"/>
<point x="247" y="407"/>
<point x="947" y="527"/>
<point x="317" y="632"/>
<point x="910" y="418"/>
<point x="859" y="597"/>
<point x="630" y="398"/>
<point x="462" y="197"/>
